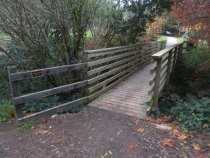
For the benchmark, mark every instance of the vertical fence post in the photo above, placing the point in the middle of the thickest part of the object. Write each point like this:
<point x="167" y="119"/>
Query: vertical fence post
<point x="15" y="91"/>
<point x="175" y="56"/>
<point x="157" y="82"/>
<point x="169" y="67"/>
<point x="180" y="51"/>
<point x="85" y="60"/>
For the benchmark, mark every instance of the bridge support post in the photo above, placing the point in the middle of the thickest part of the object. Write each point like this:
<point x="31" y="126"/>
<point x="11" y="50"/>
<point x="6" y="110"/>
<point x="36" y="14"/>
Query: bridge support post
<point x="15" y="91"/>
<point x="157" y="82"/>
<point x="169" y="69"/>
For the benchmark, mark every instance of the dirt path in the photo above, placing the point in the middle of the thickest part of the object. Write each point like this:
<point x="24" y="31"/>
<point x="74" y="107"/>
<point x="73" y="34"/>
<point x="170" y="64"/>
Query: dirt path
<point x="92" y="133"/>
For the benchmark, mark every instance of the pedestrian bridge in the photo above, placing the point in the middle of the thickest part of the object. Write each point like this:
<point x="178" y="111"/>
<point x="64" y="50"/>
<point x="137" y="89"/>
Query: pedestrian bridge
<point x="127" y="80"/>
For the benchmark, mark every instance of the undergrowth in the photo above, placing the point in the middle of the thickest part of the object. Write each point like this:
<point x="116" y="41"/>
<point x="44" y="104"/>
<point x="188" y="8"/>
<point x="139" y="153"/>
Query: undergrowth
<point x="6" y="111"/>
<point x="187" y="99"/>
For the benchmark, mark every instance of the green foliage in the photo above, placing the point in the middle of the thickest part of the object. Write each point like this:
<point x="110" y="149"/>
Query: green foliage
<point x="161" y="38"/>
<point x="26" y="126"/>
<point x="6" y="111"/>
<point x="42" y="104"/>
<point x="192" y="115"/>
<point x="196" y="57"/>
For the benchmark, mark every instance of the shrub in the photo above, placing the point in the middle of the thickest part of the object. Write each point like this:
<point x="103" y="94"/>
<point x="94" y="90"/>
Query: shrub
<point x="6" y="111"/>
<point x="192" y="115"/>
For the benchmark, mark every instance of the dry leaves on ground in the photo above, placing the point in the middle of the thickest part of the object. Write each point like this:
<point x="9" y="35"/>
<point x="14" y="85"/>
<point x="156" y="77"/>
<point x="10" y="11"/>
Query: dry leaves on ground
<point x="141" y="130"/>
<point x="178" y="134"/>
<point x="167" y="142"/>
<point x="159" y="119"/>
<point x="196" y="146"/>
<point x="40" y="131"/>
<point x="132" y="146"/>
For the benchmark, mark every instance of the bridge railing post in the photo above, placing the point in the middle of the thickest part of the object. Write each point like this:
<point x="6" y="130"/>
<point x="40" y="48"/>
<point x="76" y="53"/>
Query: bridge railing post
<point x="166" y="60"/>
<point x="157" y="82"/>
<point x="15" y="91"/>
<point x="169" y="67"/>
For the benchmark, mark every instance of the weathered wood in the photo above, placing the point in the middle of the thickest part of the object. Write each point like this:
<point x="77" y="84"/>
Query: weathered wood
<point x="164" y="64"/>
<point x="109" y="59"/>
<point x="110" y="49"/>
<point x="112" y="65"/>
<point x="102" y="84"/>
<point x="49" y="92"/>
<point x="117" y="63"/>
<point x="157" y="82"/>
<point x="161" y="53"/>
<point x="47" y="71"/>
<point x="169" y="66"/>
<point x="15" y="91"/>
<point x="121" y="51"/>
<point x="161" y="86"/>
<point x="97" y="78"/>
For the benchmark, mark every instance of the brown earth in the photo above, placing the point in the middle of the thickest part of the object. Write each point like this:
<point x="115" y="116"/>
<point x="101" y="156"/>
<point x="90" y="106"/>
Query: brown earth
<point x="94" y="133"/>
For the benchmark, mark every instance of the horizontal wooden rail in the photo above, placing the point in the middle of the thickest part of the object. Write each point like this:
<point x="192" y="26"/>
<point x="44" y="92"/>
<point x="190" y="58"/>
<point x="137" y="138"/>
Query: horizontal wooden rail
<point x="108" y="66"/>
<point x="19" y="99"/>
<point x="164" y="62"/>
<point x="17" y="76"/>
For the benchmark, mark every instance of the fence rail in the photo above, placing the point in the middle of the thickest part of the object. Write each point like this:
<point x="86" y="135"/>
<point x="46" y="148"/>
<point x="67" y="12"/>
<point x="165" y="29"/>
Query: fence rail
<point x="106" y="68"/>
<point x="164" y="62"/>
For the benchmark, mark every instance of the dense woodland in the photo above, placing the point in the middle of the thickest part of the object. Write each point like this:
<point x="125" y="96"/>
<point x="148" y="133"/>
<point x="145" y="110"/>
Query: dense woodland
<point x="41" y="34"/>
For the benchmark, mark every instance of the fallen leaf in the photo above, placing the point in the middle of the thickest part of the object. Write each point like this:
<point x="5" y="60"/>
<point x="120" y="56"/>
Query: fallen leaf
<point x="209" y="144"/>
<point x="178" y="134"/>
<point x="40" y="131"/>
<point x="196" y="147"/>
<point x="132" y="146"/>
<point x="167" y="142"/>
<point x="141" y="130"/>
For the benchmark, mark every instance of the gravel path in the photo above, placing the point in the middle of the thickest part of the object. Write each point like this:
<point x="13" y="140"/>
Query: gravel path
<point x="91" y="133"/>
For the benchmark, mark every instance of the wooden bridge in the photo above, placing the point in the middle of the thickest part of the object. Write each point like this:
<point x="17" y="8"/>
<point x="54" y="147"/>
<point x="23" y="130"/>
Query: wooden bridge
<point x="126" y="79"/>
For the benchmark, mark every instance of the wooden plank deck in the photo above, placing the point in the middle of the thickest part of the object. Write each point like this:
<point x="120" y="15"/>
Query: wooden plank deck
<point x="130" y="96"/>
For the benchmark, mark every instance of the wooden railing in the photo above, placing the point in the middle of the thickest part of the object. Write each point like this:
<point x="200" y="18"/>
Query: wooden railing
<point x="164" y="63"/>
<point x="106" y="68"/>
<point x="18" y="99"/>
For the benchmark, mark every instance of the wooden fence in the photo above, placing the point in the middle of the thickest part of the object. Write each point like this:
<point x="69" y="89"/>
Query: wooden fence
<point x="106" y="68"/>
<point x="164" y="63"/>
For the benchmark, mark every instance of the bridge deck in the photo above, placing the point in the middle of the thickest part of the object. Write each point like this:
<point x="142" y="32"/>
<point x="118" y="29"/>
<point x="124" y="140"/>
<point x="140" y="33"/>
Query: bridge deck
<point x="130" y="96"/>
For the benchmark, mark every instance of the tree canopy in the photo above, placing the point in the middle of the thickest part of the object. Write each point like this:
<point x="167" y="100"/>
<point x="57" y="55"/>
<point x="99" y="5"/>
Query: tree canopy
<point x="195" y="16"/>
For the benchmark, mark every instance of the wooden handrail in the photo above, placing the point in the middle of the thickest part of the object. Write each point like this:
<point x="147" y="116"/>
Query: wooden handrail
<point x="165" y="61"/>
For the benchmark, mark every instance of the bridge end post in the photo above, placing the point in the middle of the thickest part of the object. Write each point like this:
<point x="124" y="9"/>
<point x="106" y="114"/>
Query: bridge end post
<point x="15" y="92"/>
<point x="157" y="82"/>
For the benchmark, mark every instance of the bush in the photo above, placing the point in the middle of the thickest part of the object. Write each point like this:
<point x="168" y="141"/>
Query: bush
<point x="6" y="111"/>
<point x="192" y="115"/>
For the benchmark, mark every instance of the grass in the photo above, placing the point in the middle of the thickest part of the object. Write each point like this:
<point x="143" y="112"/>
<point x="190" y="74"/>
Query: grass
<point x="6" y="111"/>
<point x="161" y="38"/>
<point x="26" y="126"/>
